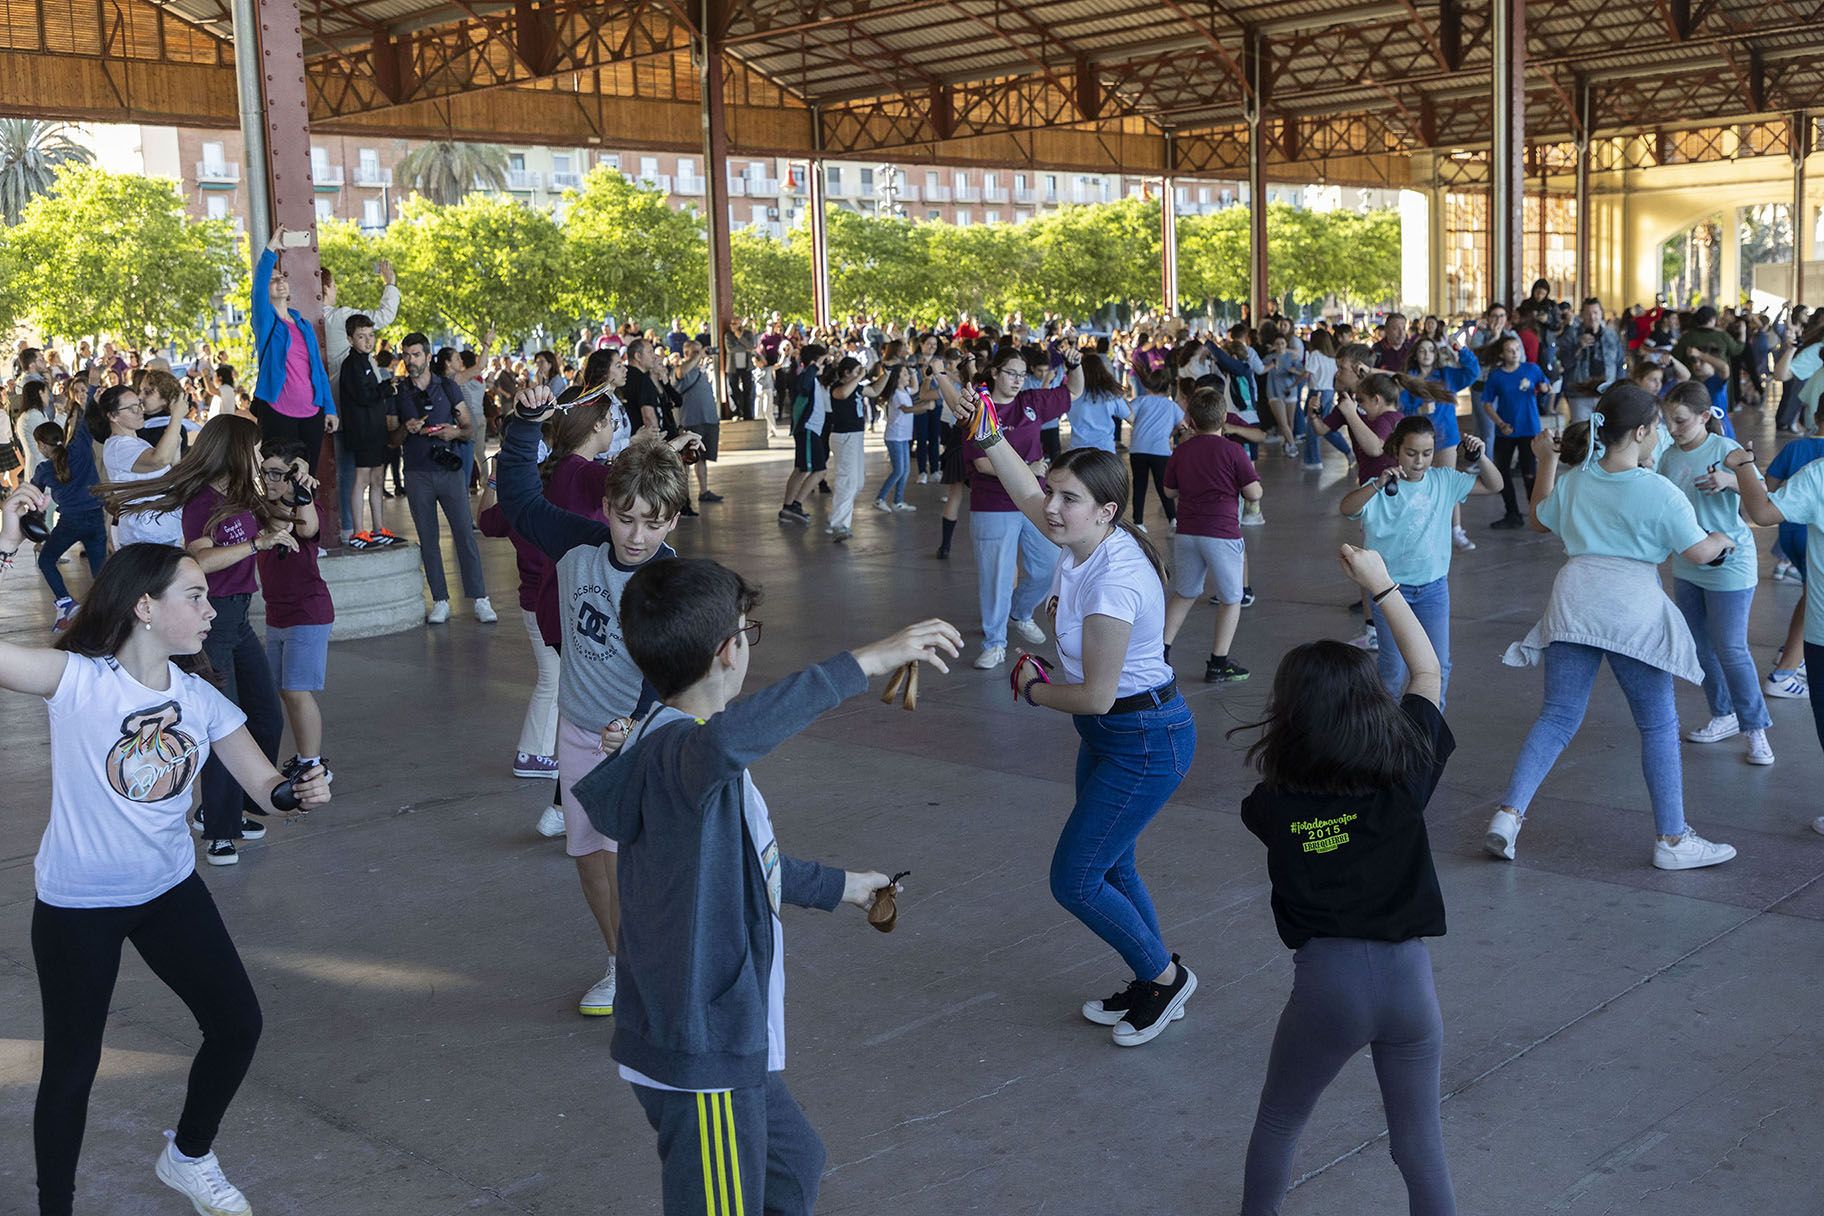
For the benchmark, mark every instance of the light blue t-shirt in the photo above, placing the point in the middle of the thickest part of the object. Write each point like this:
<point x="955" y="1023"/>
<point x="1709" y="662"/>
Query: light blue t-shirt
<point x="1635" y="513"/>
<point x="1801" y="501"/>
<point x="1720" y="512"/>
<point x="1411" y="529"/>
<point x="1092" y="420"/>
<point x="1154" y="418"/>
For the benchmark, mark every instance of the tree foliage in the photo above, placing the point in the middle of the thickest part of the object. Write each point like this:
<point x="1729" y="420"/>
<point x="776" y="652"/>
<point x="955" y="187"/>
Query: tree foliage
<point x="116" y="253"/>
<point x="31" y="152"/>
<point x="486" y="263"/>
<point x="628" y="254"/>
<point x="446" y="171"/>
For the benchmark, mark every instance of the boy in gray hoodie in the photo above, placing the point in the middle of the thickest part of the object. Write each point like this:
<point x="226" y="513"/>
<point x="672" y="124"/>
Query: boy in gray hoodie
<point x="700" y="1019"/>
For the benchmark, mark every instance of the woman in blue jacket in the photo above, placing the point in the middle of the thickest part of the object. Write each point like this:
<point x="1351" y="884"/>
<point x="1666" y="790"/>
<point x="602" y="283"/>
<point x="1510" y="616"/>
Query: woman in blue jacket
<point x="291" y="398"/>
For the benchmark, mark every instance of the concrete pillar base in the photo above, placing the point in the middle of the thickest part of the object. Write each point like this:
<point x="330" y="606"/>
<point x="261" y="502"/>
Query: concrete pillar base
<point x="376" y="592"/>
<point x="743" y="436"/>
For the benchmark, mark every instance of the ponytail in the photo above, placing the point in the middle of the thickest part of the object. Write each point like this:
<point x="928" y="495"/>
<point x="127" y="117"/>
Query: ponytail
<point x="1622" y="410"/>
<point x="49" y="438"/>
<point x="1430" y="390"/>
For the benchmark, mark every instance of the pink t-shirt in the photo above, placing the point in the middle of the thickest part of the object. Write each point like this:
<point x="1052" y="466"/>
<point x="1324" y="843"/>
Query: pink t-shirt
<point x="1208" y="471"/>
<point x="1021" y="422"/>
<point x="236" y="529"/>
<point x="297" y="398"/>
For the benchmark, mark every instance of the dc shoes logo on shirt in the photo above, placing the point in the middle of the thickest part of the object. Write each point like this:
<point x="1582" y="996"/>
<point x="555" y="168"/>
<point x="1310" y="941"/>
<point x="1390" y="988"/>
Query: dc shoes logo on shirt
<point x="1323" y="835"/>
<point x="153" y="759"/>
<point x="592" y="623"/>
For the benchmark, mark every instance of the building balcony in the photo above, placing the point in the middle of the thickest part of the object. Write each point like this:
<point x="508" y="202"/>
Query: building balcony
<point x="968" y="194"/>
<point x="762" y="187"/>
<point x="327" y="177"/>
<point x="937" y="194"/>
<point x="994" y="194"/>
<point x="566" y="181"/>
<point x="693" y="186"/>
<point x="1024" y="195"/>
<point x="908" y="194"/>
<point x="524" y="180"/>
<point x="210" y="173"/>
<point x="655" y="181"/>
<point x="373" y="175"/>
<point x="737" y="187"/>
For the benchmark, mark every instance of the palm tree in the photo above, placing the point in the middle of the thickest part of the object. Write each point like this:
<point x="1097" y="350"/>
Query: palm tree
<point x="445" y="171"/>
<point x="30" y="152"/>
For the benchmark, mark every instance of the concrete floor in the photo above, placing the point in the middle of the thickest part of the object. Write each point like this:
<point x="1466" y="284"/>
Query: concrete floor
<point x="1619" y="1040"/>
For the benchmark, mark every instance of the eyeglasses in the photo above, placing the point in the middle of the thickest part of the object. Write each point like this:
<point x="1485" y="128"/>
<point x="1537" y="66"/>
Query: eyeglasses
<point x="275" y="474"/>
<point x="127" y="406"/>
<point x="752" y="629"/>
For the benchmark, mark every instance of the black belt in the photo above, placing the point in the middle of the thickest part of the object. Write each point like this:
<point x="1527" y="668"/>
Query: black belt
<point x="1151" y="699"/>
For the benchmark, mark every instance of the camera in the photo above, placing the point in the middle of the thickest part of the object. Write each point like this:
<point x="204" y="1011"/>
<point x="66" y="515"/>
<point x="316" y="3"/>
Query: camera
<point x="445" y="457"/>
<point x="300" y="497"/>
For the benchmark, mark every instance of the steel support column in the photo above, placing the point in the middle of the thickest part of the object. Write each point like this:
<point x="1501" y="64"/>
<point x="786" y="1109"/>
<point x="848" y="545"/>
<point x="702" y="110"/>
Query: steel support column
<point x="1507" y="169"/>
<point x="708" y="57"/>
<point x="1168" y="245"/>
<point x="1586" y="223"/>
<point x="820" y="246"/>
<point x="1254" y="56"/>
<point x="1800" y="148"/>
<point x="275" y="129"/>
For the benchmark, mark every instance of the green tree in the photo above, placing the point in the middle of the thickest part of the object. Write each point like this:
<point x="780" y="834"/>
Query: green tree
<point x="447" y="171"/>
<point x="1091" y="256"/>
<point x="628" y="253"/>
<point x="771" y="275"/>
<point x="349" y="255"/>
<point x="879" y="264"/>
<point x="1213" y="256"/>
<point x="116" y="253"/>
<point x="484" y="263"/>
<point x="31" y="152"/>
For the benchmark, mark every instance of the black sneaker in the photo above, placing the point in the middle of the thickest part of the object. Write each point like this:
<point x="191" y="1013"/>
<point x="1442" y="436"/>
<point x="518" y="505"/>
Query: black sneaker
<point x="1153" y="1007"/>
<point x="823" y="487"/>
<point x="709" y="496"/>
<point x="689" y="512"/>
<point x="1508" y="523"/>
<point x="252" y="829"/>
<point x="1227" y="671"/>
<point x="1247" y="597"/>
<point x="943" y="553"/>
<point x="221" y="853"/>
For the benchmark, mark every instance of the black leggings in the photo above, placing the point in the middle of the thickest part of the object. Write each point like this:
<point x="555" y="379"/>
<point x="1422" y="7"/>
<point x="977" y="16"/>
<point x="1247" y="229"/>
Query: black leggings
<point x="1143" y="466"/>
<point x="1507" y="447"/>
<point x="275" y="426"/>
<point x="77" y="950"/>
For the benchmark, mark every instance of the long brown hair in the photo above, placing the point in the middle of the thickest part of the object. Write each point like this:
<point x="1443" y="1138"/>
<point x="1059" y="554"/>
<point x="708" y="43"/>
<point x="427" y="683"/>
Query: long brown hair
<point x="49" y="438"/>
<point x="106" y="619"/>
<point x="1105" y="476"/>
<point x="227" y="449"/>
<point x="569" y="430"/>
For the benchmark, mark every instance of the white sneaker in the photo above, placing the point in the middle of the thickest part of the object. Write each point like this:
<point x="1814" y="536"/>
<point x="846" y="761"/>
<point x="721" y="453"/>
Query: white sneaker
<point x="990" y="658"/>
<point x="1029" y="630"/>
<point x="1759" y="750"/>
<point x="440" y="612"/>
<point x="921" y="478"/>
<point x="598" y="1002"/>
<point x="904" y="506"/>
<point x="1252" y="516"/>
<point x="1791" y="687"/>
<point x="1503" y="830"/>
<point x="484" y="611"/>
<point x="201" y="1182"/>
<point x="1460" y="539"/>
<point x="551" y="821"/>
<point x="1140" y="528"/>
<point x="1715" y="731"/>
<point x="1370" y="640"/>
<point x="1692" y="852"/>
<point x="880" y="504"/>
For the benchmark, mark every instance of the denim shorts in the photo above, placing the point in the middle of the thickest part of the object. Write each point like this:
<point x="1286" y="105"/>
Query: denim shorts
<point x="299" y="656"/>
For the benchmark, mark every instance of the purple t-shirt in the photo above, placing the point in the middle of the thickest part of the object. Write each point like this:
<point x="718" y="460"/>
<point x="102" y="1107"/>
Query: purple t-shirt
<point x="295" y="591"/>
<point x="1208" y="471"/>
<point x="297" y="398"/>
<point x="1367" y="467"/>
<point x="236" y="529"/>
<point x="1021" y="423"/>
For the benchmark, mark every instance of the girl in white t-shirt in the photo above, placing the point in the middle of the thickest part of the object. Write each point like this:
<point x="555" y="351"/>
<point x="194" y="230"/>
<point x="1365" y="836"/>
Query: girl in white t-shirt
<point x="902" y="415"/>
<point x="1138" y="736"/>
<point x="114" y="419"/>
<point x="130" y="731"/>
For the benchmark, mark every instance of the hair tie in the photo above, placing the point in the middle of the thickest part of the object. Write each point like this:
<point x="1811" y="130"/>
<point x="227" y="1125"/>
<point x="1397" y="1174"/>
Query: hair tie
<point x="1596" y="444"/>
<point x="1716" y="412"/>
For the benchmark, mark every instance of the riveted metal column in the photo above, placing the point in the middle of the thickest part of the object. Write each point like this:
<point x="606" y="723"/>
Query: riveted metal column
<point x="1800" y="141"/>
<point x="709" y="64"/>
<point x="1507" y="170"/>
<point x="1255" y="58"/>
<point x="820" y="232"/>
<point x="1168" y="236"/>
<point x="1586" y="223"/>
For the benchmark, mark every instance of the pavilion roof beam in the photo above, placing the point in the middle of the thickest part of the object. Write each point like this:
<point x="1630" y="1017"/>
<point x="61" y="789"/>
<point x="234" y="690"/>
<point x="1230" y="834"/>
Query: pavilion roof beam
<point x="763" y="34"/>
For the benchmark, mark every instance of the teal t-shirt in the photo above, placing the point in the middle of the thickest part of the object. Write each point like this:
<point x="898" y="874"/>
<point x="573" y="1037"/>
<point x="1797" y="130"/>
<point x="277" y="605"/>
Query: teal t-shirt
<point x="1635" y="513"/>
<point x="1720" y="512"/>
<point x="1411" y="529"/>
<point x="1801" y="501"/>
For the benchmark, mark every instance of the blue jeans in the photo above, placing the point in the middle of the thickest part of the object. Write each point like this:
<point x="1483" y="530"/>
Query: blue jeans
<point x="1719" y="626"/>
<point x="1431" y="604"/>
<point x="927" y="439"/>
<point x="1570" y="674"/>
<point x="899" y="451"/>
<point x="1312" y="453"/>
<point x="87" y="528"/>
<point x="1006" y="543"/>
<point x="345" y="484"/>
<point x="1127" y="767"/>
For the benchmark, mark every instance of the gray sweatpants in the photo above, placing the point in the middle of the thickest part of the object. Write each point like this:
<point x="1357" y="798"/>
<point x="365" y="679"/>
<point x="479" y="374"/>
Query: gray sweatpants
<point x="1349" y="994"/>
<point x="748" y="1150"/>
<point x="448" y="489"/>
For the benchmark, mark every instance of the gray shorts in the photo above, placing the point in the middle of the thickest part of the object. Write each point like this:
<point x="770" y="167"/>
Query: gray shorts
<point x="299" y="656"/>
<point x="1201" y="559"/>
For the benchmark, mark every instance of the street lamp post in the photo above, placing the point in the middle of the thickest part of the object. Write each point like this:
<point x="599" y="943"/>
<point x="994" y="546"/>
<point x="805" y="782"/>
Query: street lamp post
<point x="888" y="203"/>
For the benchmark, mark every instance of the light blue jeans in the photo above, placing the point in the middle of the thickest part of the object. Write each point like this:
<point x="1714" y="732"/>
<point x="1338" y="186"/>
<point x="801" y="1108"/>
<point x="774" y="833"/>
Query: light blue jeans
<point x="1570" y="674"/>
<point x="1431" y="604"/>
<point x="1719" y="626"/>
<point x="1312" y="453"/>
<point x="899" y="451"/>
<point x="1006" y="544"/>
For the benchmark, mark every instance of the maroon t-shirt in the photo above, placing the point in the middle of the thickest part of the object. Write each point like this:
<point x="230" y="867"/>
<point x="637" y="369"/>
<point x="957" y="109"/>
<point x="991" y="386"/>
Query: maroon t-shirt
<point x="1208" y="471"/>
<point x="534" y="566"/>
<point x="1021" y="422"/>
<point x="295" y="591"/>
<point x="577" y="485"/>
<point x="236" y="529"/>
<point x="1367" y="467"/>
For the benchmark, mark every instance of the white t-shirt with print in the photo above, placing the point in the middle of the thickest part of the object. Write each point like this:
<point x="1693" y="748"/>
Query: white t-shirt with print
<point x="164" y="527"/>
<point x="899" y="422"/>
<point x="123" y="757"/>
<point x="1117" y="581"/>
